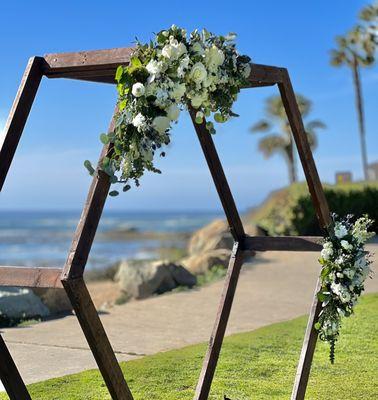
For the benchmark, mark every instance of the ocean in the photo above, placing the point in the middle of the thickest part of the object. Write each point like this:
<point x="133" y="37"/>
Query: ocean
<point x="43" y="238"/>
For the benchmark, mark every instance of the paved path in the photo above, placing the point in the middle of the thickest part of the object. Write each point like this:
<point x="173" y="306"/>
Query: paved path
<point x="277" y="287"/>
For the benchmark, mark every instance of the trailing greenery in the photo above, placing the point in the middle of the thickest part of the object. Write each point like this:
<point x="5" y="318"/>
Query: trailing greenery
<point x="345" y="267"/>
<point x="290" y="211"/>
<point x="257" y="365"/>
<point x="173" y="72"/>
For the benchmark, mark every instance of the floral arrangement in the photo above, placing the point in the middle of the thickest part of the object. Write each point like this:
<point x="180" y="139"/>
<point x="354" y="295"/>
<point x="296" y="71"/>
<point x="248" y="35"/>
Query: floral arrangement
<point x="171" y="73"/>
<point x="345" y="267"/>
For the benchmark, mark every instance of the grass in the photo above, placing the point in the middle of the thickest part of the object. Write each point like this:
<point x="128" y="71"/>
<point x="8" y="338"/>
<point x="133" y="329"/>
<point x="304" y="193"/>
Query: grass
<point x="255" y="365"/>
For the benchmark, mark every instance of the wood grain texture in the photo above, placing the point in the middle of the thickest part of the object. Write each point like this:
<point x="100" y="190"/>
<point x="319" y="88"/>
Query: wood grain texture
<point x="97" y="339"/>
<point x="219" y="178"/>
<point x="324" y="218"/>
<point x="89" y="220"/>
<point x="19" y="113"/>
<point x="10" y="377"/>
<point x="101" y="65"/>
<point x="282" y="243"/>
<point x="305" y="153"/>
<point x="86" y="60"/>
<point x="266" y="75"/>
<point x="216" y="339"/>
<point x="30" y="277"/>
<point x="308" y="349"/>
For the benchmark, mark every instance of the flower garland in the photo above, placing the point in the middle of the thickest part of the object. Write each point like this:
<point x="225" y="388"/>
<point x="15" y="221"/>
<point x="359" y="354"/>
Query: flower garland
<point x="345" y="267"/>
<point x="171" y="73"/>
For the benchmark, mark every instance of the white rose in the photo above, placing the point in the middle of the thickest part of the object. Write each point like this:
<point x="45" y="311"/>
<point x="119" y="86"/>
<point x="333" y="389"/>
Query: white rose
<point x="184" y="63"/>
<point x="181" y="49"/>
<point x="214" y="57"/>
<point x="178" y="91"/>
<point x="153" y="67"/>
<point x="346" y="245"/>
<point x="198" y="73"/>
<point x="139" y="121"/>
<point x="161" y="124"/>
<point x="340" y="230"/>
<point x="197" y="100"/>
<point x="168" y="51"/>
<point x="173" y="112"/>
<point x="138" y="89"/>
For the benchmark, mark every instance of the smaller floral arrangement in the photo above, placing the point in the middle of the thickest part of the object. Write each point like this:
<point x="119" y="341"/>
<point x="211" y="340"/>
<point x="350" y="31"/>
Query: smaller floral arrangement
<point x="345" y="267"/>
<point x="173" y="72"/>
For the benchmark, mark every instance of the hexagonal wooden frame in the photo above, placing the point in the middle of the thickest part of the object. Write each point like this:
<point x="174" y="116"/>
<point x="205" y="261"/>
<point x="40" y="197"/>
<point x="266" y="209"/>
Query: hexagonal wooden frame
<point x="100" y="66"/>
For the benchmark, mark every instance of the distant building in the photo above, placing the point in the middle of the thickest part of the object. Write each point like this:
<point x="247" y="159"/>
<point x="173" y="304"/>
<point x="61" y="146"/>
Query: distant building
<point x="373" y="171"/>
<point x="343" y="177"/>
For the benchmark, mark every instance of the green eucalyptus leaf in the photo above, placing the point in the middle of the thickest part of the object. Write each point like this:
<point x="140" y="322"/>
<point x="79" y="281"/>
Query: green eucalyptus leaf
<point x="114" y="193"/>
<point x="89" y="167"/>
<point x="104" y="138"/>
<point x="126" y="188"/>
<point x="218" y="117"/>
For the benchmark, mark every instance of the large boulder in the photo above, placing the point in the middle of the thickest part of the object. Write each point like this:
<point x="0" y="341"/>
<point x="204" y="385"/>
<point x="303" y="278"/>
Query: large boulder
<point x="56" y="300"/>
<point x="215" y="235"/>
<point x="203" y="262"/>
<point x="141" y="279"/>
<point x="20" y="303"/>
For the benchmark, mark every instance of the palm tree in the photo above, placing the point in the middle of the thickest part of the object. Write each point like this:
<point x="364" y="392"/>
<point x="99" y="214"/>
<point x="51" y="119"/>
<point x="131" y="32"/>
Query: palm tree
<point x="282" y="142"/>
<point x="356" y="50"/>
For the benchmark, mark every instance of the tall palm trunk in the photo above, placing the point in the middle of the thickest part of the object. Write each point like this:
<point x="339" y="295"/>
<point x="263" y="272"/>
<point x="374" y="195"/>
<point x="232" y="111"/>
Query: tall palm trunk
<point x="360" y="112"/>
<point x="291" y="162"/>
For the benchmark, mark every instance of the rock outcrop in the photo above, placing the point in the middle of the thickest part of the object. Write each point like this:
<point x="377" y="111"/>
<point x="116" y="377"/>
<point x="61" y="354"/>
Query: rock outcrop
<point x="141" y="279"/>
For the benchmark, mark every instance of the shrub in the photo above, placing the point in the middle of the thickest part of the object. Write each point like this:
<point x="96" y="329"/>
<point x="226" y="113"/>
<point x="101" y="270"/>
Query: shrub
<point x="290" y="211"/>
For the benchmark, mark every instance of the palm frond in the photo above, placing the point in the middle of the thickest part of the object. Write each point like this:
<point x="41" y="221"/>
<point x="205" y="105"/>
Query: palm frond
<point x="315" y="124"/>
<point x="273" y="144"/>
<point x="261" y="126"/>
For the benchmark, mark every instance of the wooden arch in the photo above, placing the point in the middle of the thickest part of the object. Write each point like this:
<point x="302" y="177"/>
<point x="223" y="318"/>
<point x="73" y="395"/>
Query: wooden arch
<point x="100" y="66"/>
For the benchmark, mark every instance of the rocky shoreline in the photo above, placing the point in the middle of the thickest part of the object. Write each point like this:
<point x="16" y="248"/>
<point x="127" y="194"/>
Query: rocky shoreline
<point x="187" y="260"/>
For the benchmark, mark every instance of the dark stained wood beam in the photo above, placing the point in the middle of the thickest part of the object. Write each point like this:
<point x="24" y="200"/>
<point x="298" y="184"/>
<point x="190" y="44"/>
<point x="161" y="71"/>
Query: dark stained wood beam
<point x="219" y="177"/>
<point x="30" y="277"/>
<point x="97" y="339"/>
<point x="19" y="114"/>
<point x="282" y="243"/>
<point x="217" y="335"/>
<point x="101" y="65"/>
<point x="10" y="376"/>
<point x="90" y="217"/>
<point x="322" y="211"/>
<point x="95" y="60"/>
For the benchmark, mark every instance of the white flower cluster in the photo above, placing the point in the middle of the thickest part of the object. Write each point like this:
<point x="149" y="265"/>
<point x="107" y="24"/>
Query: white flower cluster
<point x="204" y="72"/>
<point x="346" y="265"/>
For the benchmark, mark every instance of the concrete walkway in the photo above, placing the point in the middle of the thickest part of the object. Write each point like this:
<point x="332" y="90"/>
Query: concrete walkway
<point x="276" y="287"/>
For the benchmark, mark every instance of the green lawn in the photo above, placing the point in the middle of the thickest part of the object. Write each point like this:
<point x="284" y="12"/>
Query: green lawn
<point x="252" y="366"/>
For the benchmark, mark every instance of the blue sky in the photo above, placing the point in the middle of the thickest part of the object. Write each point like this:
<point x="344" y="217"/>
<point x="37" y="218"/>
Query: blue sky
<point x="68" y="116"/>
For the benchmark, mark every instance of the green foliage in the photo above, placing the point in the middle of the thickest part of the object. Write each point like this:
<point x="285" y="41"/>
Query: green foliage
<point x="216" y="273"/>
<point x="290" y="211"/>
<point x="255" y="365"/>
<point x="359" y="45"/>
